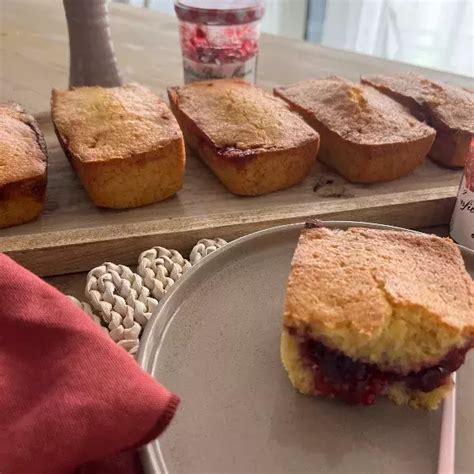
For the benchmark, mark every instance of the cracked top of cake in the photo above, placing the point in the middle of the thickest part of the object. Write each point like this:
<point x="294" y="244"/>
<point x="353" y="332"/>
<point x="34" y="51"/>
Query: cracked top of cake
<point x="398" y="299"/>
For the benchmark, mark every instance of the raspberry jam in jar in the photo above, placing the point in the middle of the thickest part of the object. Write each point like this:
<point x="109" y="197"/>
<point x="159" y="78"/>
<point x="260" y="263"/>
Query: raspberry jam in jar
<point x="219" y="38"/>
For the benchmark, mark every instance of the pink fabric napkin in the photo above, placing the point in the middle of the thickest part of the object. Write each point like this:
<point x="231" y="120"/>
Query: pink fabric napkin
<point x="71" y="400"/>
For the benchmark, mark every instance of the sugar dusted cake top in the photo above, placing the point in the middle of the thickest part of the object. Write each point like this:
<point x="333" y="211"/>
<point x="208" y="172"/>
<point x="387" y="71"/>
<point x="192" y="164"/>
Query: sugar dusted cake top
<point x="449" y="105"/>
<point x="399" y="299"/>
<point x="358" y="113"/>
<point x="22" y="147"/>
<point x="235" y="114"/>
<point x="100" y="124"/>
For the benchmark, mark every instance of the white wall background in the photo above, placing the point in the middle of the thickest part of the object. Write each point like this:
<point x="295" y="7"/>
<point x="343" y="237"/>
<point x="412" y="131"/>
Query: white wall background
<point x="432" y="33"/>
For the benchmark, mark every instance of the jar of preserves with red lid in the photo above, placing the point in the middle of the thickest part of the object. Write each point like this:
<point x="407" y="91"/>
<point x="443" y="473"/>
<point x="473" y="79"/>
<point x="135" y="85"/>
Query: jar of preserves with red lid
<point x="462" y="222"/>
<point x="219" y="38"/>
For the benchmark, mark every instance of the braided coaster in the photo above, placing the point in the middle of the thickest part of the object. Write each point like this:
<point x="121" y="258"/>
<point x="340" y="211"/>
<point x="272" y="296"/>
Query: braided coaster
<point x="122" y="301"/>
<point x="160" y="268"/>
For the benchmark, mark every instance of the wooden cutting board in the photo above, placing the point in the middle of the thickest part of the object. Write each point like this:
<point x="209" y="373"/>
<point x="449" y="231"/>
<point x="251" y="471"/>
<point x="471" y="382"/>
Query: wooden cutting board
<point x="73" y="235"/>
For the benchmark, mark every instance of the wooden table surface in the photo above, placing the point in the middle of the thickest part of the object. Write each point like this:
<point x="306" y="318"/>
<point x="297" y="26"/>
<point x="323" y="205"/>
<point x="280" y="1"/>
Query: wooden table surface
<point x="34" y="58"/>
<point x="34" y="53"/>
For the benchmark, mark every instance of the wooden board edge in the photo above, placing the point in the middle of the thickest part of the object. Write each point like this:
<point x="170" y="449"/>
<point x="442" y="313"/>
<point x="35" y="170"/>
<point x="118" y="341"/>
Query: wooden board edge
<point x="83" y="256"/>
<point x="268" y="214"/>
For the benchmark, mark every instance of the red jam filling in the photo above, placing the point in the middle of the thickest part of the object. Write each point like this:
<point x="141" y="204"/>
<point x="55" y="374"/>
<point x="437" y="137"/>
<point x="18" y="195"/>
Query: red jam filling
<point x="359" y="383"/>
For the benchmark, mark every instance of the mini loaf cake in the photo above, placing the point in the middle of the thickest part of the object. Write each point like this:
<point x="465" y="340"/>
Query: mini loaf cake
<point x="372" y="312"/>
<point x="123" y="142"/>
<point x="23" y="160"/>
<point x="251" y="141"/>
<point x="365" y="136"/>
<point x="448" y="109"/>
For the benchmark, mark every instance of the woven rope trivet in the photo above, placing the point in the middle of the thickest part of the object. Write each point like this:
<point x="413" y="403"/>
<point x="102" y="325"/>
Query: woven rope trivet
<point x="122" y="301"/>
<point x="160" y="268"/>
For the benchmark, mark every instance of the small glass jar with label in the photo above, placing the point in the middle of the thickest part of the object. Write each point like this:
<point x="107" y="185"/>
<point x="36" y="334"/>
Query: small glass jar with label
<point x="219" y="39"/>
<point x="462" y="222"/>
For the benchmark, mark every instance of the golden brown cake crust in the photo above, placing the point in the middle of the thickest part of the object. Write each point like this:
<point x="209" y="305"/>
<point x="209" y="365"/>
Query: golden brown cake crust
<point x="22" y="146"/>
<point x="365" y="137"/>
<point x="23" y="162"/>
<point x="448" y="106"/>
<point x="358" y="270"/>
<point x="358" y="114"/>
<point x="236" y="117"/>
<point x="251" y="140"/>
<point x="449" y="109"/>
<point x="123" y="142"/>
<point x="100" y="124"/>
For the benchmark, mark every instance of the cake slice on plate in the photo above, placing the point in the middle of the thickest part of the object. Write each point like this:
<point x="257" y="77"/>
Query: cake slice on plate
<point x="371" y="312"/>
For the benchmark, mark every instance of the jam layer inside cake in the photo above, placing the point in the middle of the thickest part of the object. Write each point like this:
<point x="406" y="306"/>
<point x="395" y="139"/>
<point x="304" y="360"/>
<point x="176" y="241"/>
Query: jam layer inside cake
<point x="356" y="382"/>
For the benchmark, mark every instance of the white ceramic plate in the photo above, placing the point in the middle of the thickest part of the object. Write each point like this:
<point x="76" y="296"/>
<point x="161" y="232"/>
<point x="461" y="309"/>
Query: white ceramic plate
<point x="215" y="341"/>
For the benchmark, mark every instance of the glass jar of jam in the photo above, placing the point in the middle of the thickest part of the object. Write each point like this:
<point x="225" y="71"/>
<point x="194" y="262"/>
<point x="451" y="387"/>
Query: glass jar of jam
<point x="219" y="38"/>
<point x="462" y="222"/>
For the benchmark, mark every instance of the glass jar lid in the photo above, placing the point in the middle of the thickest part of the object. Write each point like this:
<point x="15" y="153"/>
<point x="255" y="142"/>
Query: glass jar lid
<point x="219" y="12"/>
